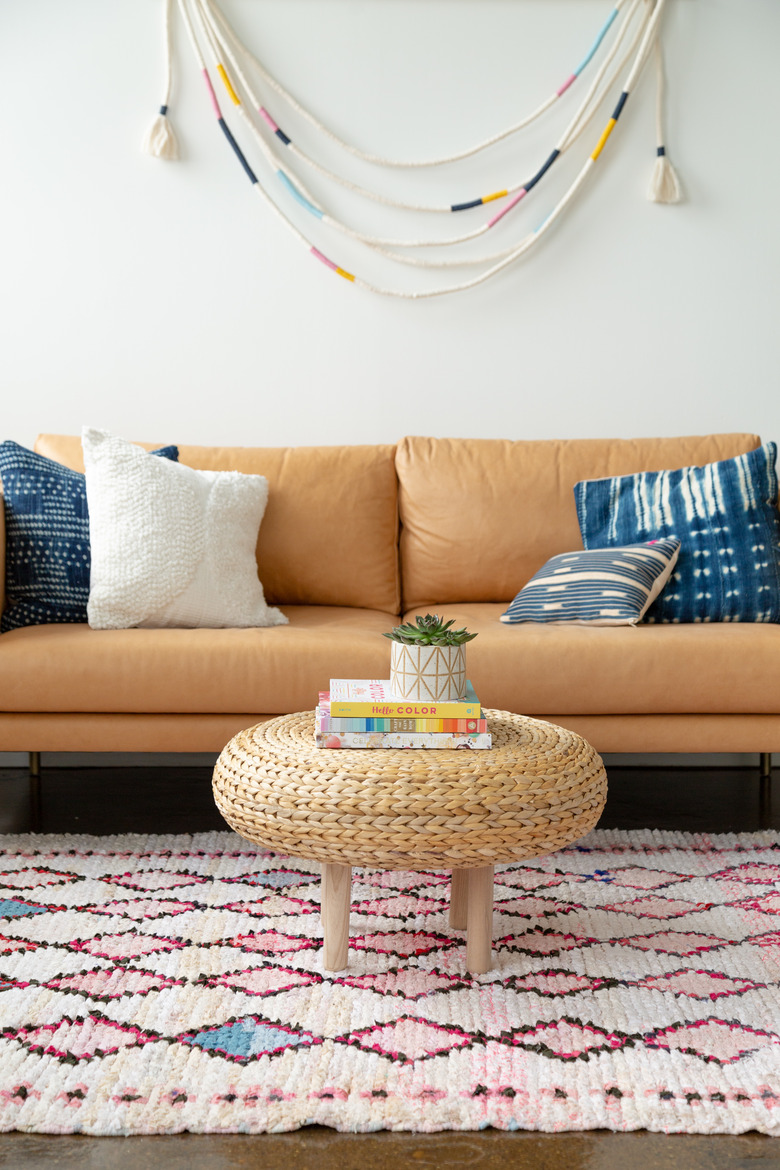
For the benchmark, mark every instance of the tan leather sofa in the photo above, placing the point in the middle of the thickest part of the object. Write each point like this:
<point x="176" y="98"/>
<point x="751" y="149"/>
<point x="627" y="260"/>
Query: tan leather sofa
<point x="356" y="535"/>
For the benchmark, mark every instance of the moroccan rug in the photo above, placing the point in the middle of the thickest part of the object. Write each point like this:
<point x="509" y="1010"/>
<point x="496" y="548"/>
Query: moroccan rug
<point x="159" y="984"/>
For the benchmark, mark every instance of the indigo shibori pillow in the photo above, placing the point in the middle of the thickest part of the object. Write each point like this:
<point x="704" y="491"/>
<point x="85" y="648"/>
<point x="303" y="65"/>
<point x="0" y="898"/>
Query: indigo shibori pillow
<point x="47" y="554"/>
<point x="726" y="519"/>
<point x="597" y="587"/>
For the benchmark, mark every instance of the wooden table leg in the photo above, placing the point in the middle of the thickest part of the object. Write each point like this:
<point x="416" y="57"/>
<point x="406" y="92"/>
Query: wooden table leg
<point x="459" y="898"/>
<point x="336" y="889"/>
<point x="479" y="930"/>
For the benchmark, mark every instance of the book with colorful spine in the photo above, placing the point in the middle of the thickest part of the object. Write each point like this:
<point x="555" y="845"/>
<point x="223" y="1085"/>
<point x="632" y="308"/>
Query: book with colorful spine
<point x="432" y="740"/>
<point x="387" y="724"/>
<point x="351" y="698"/>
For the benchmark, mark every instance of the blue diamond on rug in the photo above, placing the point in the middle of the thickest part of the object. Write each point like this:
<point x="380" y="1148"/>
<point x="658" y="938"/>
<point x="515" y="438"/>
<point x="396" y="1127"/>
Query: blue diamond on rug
<point x="13" y="908"/>
<point x="247" y="1039"/>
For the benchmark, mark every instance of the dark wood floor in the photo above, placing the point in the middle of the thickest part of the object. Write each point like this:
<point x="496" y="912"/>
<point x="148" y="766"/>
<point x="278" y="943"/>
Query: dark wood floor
<point x="174" y="799"/>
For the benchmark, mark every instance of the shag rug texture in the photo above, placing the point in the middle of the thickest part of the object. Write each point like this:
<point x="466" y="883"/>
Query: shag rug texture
<point x="159" y="984"/>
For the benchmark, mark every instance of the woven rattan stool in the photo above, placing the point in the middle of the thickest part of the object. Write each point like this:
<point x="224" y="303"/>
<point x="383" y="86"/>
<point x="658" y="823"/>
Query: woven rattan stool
<point x="538" y="788"/>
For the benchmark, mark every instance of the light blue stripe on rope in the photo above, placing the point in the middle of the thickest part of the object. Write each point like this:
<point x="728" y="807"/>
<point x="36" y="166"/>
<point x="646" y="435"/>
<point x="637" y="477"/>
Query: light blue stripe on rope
<point x="304" y="202"/>
<point x="594" y="48"/>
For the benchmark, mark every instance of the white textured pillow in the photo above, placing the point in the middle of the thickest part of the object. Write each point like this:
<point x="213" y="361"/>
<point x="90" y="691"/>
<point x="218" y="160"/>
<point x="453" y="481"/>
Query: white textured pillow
<point x="171" y="549"/>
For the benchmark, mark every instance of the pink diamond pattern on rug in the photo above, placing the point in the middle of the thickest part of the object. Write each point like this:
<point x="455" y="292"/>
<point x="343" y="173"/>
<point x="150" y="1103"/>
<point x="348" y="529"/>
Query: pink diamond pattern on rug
<point x="531" y="907"/>
<point x="107" y="983"/>
<point x="408" y="1039"/>
<point x="413" y="983"/>
<point x="129" y="945"/>
<point x="764" y="904"/>
<point x="557" y="982"/>
<point x="543" y="942"/>
<point x="720" y="1041"/>
<point x="270" y="941"/>
<point x="761" y="872"/>
<point x="82" y="1038"/>
<point x="400" y="881"/>
<point x="402" y="943"/>
<point x="141" y="909"/>
<point x="637" y="877"/>
<point x="274" y="879"/>
<point x="404" y="906"/>
<point x="568" y="1039"/>
<point x="658" y="907"/>
<point x="9" y="946"/>
<point x="154" y="879"/>
<point x="262" y="980"/>
<point x="274" y="906"/>
<point x="38" y="875"/>
<point x="676" y="942"/>
<point x="699" y="984"/>
<point x="770" y="940"/>
<point x="524" y="878"/>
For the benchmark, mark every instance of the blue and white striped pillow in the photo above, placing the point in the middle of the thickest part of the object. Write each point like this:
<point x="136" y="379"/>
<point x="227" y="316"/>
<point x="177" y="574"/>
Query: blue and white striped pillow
<point x="597" y="587"/>
<point x="724" y="515"/>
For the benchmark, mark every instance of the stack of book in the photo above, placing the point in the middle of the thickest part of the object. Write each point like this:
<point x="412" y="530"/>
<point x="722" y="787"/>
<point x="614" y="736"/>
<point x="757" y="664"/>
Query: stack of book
<point x="363" y="713"/>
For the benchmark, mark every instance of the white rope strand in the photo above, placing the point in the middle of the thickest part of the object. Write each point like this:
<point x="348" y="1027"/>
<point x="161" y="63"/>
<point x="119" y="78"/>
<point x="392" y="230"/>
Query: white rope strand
<point x="379" y="160"/>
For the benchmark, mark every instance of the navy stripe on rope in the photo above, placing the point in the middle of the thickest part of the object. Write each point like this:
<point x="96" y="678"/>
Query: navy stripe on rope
<point x="281" y="134"/>
<point x="466" y="206"/>
<point x="237" y="149"/>
<point x="619" y="107"/>
<point x="661" y="151"/>
<point x="545" y="167"/>
<point x="163" y="110"/>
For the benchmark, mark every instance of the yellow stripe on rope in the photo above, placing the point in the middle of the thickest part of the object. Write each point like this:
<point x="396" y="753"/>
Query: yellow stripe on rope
<point x="343" y="272"/>
<point x="607" y="131"/>
<point x="496" y="195"/>
<point x="234" y="96"/>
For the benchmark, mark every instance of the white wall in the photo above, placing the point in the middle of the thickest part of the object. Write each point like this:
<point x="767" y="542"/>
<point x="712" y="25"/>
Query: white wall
<point x="162" y="300"/>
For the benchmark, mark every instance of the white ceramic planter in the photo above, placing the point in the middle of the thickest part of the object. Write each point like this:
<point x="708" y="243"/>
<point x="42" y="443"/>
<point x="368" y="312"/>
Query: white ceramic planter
<point x="428" y="673"/>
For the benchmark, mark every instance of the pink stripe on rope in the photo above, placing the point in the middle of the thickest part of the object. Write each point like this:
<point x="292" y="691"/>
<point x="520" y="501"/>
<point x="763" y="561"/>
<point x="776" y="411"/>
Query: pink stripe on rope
<point x="512" y="202"/>
<point x="325" y="260"/>
<point x="569" y="81"/>
<point x="264" y="114"/>
<point x="214" y="101"/>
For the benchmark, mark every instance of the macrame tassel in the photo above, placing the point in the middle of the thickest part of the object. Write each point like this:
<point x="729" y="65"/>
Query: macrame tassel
<point x="664" y="184"/>
<point x="160" y="140"/>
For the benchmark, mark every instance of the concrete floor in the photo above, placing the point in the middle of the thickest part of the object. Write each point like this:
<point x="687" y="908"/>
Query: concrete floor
<point x="103" y="800"/>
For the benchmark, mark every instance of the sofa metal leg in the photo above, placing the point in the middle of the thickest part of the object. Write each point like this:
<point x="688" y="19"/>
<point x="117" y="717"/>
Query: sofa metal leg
<point x="765" y="789"/>
<point x="34" y="763"/>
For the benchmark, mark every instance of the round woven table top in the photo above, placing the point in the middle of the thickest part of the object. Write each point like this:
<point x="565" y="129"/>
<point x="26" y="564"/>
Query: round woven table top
<point x="538" y="788"/>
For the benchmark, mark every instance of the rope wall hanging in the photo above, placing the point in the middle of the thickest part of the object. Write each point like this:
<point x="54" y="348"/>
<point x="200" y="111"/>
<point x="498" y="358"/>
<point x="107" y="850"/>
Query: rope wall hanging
<point x="628" y="37"/>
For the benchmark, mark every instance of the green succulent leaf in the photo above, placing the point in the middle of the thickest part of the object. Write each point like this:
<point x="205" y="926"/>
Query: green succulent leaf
<point x="430" y="630"/>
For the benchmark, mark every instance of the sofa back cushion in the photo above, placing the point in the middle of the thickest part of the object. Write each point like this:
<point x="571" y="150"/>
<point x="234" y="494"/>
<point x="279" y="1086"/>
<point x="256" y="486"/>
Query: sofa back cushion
<point x="330" y="532"/>
<point x="480" y="516"/>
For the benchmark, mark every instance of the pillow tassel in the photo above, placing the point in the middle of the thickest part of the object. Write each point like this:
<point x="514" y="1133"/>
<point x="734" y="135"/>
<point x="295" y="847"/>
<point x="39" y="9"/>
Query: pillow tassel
<point x="160" y="140"/>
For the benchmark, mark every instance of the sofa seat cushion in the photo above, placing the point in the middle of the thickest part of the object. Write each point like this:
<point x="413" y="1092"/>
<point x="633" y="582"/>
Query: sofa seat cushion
<point x="273" y="670"/>
<point x="612" y="670"/>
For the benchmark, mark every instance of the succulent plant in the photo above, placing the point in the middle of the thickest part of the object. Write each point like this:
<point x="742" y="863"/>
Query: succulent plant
<point x="430" y="630"/>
